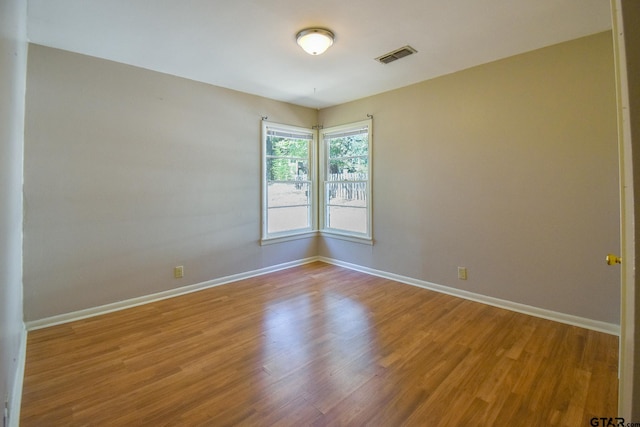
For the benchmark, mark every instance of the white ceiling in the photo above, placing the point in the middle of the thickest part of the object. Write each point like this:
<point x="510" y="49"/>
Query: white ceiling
<point x="249" y="45"/>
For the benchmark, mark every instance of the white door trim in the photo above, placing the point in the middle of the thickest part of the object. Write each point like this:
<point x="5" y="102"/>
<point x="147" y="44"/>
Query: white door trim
<point x="626" y="367"/>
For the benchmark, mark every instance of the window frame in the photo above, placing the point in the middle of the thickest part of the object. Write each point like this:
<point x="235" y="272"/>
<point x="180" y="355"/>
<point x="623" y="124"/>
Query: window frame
<point x="292" y="234"/>
<point x="324" y="168"/>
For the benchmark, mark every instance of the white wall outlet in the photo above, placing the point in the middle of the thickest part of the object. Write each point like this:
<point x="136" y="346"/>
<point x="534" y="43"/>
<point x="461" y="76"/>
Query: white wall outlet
<point x="178" y="272"/>
<point x="462" y="273"/>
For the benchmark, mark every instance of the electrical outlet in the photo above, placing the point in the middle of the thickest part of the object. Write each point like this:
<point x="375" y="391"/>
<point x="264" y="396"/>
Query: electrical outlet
<point x="462" y="273"/>
<point x="178" y="272"/>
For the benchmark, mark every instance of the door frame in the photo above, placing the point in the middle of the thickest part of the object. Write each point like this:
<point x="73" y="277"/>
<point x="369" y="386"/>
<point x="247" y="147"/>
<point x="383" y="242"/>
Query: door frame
<point x="626" y="366"/>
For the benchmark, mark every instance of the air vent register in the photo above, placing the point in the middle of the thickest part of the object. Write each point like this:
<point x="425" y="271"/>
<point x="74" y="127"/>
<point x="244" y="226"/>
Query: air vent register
<point x="396" y="54"/>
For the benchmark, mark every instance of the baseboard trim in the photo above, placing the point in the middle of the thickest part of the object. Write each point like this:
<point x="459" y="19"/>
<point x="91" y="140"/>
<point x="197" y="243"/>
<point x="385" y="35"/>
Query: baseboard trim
<point x="608" y="328"/>
<point x="16" y="391"/>
<point x="596" y="325"/>
<point x="133" y="302"/>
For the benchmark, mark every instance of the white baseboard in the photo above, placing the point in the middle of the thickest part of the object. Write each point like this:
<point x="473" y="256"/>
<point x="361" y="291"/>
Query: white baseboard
<point x="569" y="319"/>
<point x="16" y="391"/>
<point x="133" y="302"/>
<point x="608" y="328"/>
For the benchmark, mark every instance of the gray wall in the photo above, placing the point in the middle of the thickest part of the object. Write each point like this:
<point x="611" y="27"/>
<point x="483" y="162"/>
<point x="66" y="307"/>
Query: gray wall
<point x="13" y="66"/>
<point x="129" y="173"/>
<point x="509" y="169"/>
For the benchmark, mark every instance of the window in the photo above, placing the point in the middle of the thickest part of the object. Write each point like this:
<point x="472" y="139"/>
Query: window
<point x="346" y="180"/>
<point x="288" y="182"/>
<point x="292" y="195"/>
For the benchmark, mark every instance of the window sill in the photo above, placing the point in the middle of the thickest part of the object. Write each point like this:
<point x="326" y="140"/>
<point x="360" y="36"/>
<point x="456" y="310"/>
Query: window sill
<point x="288" y="238"/>
<point x="348" y="237"/>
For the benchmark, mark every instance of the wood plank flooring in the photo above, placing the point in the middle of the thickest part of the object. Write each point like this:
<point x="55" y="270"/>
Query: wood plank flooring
<point x="318" y="345"/>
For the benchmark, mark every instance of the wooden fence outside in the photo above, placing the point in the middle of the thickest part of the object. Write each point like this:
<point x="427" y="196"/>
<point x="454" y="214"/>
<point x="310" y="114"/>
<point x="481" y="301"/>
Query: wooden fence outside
<point x="356" y="190"/>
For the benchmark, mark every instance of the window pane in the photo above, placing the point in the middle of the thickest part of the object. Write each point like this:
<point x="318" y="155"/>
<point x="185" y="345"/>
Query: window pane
<point x="287" y="219"/>
<point x="347" y="219"/>
<point x="352" y="194"/>
<point x="288" y="194"/>
<point x="287" y="170"/>
<point x="347" y="206"/>
<point x="352" y="168"/>
<point x="287" y="147"/>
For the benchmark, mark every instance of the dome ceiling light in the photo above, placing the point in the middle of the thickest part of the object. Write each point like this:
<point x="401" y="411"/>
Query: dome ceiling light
<point x="315" y="41"/>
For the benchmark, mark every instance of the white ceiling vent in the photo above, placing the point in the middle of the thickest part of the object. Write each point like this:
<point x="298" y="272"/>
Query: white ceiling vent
<point x="396" y="54"/>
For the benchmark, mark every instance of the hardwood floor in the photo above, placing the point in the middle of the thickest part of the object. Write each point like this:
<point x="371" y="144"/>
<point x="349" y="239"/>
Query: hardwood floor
<point x="318" y="345"/>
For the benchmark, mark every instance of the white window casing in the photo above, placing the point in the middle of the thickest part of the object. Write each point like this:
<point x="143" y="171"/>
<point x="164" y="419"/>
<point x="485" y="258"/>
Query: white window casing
<point x="289" y="182"/>
<point x="345" y="181"/>
<point x="316" y="181"/>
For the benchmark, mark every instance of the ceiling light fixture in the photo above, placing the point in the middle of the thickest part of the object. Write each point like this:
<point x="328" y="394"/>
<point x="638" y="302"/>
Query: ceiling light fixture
<point x="315" y="41"/>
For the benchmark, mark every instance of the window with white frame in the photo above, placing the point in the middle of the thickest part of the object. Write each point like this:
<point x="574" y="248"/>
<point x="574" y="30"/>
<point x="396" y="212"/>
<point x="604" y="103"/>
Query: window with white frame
<point x="288" y="181"/>
<point x="346" y="180"/>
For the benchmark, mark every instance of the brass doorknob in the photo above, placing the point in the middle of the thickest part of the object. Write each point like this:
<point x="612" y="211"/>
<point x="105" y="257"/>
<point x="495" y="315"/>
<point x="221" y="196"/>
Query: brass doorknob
<point x="613" y="259"/>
